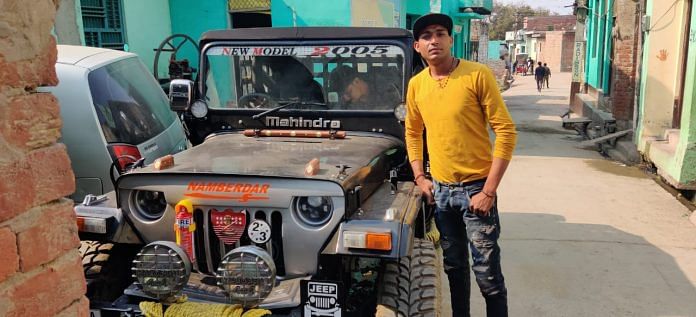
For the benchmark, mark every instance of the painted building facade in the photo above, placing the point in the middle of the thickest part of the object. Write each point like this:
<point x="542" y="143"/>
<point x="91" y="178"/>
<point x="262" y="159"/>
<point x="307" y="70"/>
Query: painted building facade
<point x="546" y="39"/>
<point x="139" y="26"/>
<point x="666" y="125"/>
<point x="640" y="77"/>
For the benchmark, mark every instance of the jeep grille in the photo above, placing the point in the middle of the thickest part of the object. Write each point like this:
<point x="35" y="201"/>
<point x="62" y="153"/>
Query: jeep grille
<point x="210" y="250"/>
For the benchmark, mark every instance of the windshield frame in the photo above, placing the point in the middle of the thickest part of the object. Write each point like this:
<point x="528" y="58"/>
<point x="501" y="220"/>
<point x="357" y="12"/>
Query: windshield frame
<point x="406" y="71"/>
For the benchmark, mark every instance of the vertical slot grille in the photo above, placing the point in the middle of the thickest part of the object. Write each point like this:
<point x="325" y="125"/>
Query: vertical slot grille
<point x="210" y="250"/>
<point x="277" y="242"/>
<point x="199" y="242"/>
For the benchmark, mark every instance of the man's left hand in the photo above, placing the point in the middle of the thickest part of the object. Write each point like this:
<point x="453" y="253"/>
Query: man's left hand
<point x="481" y="204"/>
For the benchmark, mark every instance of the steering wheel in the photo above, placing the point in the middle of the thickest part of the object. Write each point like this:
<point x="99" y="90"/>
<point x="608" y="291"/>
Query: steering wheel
<point x="257" y="100"/>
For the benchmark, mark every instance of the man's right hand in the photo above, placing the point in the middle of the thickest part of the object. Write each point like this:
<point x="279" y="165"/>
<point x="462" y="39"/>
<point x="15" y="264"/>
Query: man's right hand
<point x="426" y="187"/>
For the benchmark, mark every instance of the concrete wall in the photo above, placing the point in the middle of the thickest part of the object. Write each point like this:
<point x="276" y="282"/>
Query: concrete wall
<point x="673" y="151"/>
<point x="686" y="149"/>
<point x="659" y="77"/>
<point x="40" y="268"/>
<point x="147" y="24"/>
<point x="67" y="30"/>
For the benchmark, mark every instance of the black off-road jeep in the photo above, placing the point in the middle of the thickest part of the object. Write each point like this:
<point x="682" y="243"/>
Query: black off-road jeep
<point x="298" y="196"/>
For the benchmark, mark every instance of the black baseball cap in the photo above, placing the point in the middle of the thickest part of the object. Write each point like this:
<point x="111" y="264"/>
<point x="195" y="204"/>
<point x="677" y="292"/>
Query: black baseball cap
<point x="431" y="19"/>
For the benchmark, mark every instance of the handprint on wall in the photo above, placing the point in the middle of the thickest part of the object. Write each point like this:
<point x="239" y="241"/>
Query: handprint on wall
<point x="663" y="55"/>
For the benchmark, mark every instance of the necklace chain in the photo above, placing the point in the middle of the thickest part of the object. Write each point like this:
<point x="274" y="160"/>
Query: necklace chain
<point x="446" y="79"/>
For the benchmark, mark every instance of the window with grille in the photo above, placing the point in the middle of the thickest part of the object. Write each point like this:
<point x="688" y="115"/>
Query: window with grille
<point x="249" y="5"/>
<point x="103" y="23"/>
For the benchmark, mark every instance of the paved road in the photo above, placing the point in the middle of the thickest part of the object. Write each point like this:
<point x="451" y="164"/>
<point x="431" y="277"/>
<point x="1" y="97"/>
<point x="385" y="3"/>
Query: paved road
<point x="582" y="235"/>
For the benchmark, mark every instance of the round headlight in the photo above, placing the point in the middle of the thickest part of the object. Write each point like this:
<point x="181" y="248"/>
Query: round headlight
<point x="247" y="274"/>
<point x="149" y="204"/>
<point x="314" y="210"/>
<point x="400" y="112"/>
<point x="199" y="109"/>
<point x="161" y="269"/>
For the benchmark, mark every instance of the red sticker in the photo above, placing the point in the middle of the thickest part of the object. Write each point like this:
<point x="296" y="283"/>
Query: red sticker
<point x="228" y="225"/>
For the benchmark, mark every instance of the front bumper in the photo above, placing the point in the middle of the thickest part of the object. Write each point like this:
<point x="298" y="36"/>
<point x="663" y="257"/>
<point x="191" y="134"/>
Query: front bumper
<point x="283" y="300"/>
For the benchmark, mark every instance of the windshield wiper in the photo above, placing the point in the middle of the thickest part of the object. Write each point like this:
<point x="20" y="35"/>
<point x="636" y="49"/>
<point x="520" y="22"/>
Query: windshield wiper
<point x="285" y="104"/>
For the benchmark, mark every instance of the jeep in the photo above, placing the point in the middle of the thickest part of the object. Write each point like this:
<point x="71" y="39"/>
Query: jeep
<point x="297" y="197"/>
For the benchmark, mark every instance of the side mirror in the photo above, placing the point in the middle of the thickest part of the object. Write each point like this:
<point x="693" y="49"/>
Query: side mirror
<point x="180" y="94"/>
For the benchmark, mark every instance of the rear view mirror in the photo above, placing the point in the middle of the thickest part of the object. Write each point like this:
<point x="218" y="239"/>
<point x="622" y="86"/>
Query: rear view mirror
<point x="180" y="94"/>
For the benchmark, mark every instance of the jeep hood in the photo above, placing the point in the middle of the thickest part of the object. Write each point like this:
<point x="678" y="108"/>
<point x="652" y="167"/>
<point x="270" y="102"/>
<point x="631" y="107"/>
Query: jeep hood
<point x="235" y="154"/>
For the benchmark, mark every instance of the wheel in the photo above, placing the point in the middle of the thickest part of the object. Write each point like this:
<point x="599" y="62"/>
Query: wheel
<point x="107" y="268"/>
<point x="411" y="286"/>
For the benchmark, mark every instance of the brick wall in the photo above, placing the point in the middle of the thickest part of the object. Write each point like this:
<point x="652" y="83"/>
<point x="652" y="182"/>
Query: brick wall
<point x="40" y="268"/>
<point x="567" y="52"/>
<point x="625" y="50"/>
<point x="557" y="22"/>
<point x="557" y="50"/>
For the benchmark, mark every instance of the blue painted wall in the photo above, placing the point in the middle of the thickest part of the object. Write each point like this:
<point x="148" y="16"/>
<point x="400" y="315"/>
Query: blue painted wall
<point x="193" y="18"/>
<point x="599" y="25"/>
<point x="290" y="13"/>
<point x="147" y="24"/>
<point x="494" y="49"/>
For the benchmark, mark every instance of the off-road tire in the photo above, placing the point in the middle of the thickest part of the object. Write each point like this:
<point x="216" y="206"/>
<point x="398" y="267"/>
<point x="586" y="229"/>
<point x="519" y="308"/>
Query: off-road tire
<point x="411" y="286"/>
<point x="95" y="255"/>
<point x="107" y="268"/>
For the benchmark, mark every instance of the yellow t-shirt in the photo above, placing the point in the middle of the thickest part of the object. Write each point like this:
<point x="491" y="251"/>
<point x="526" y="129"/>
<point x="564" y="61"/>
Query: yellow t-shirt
<point x="457" y="118"/>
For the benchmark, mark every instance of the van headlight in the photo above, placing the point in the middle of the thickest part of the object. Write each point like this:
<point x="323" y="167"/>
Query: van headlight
<point x="161" y="269"/>
<point x="148" y="204"/>
<point x="247" y="274"/>
<point x="314" y="210"/>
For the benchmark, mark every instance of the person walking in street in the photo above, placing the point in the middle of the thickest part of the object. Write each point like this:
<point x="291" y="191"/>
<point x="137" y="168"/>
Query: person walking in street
<point x="539" y="74"/>
<point x="547" y="74"/>
<point x="455" y="101"/>
<point x="530" y="66"/>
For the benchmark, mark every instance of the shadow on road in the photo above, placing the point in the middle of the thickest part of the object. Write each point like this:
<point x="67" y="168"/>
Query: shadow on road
<point x="555" y="268"/>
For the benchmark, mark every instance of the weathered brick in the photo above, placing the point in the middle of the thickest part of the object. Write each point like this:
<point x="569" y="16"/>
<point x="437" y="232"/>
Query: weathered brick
<point x="52" y="173"/>
<point x="50" y="291"/>
<point x="79" y="308"/>
<point x="52" y="235"/>
<point x="32" y="121"/>
<point x="9" y="261"/>
<point x="16" y="188"/>
<point x="9" y="75"/>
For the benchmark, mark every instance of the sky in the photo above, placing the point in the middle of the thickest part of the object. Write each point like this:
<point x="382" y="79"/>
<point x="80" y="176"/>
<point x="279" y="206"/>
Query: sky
<point x="553" y="5"/>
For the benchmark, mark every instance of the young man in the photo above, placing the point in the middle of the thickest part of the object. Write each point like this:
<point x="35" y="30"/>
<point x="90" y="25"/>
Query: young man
<point x="455" y="101"/>
<point x="539" y="74"/>
<point x="547" y="74"/>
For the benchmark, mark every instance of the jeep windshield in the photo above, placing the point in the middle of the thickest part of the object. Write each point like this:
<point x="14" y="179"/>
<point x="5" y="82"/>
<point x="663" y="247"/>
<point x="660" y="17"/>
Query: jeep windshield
<point x="335" y="77"/>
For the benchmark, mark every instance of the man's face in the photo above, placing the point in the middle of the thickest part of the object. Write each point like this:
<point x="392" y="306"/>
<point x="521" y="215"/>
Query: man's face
<point x="356" y="91"/>
<point x="434" y="43"/>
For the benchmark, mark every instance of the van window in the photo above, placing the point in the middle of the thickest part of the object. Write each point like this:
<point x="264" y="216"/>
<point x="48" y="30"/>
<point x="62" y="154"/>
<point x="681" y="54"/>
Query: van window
<point x="131" y="107"/>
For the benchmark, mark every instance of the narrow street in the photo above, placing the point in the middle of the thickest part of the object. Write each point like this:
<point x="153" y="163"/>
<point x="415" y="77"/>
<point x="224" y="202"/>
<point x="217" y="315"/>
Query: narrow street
<point x="583" y="235"/>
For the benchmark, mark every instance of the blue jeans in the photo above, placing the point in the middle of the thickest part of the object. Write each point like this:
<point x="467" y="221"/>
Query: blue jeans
<point x="460" y="227"/>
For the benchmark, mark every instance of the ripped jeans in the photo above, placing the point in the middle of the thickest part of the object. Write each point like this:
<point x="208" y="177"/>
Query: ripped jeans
<point x="461" y="228"/>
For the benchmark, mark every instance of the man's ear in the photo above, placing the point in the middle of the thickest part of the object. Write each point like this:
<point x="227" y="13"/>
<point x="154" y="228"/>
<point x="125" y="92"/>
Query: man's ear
<point x="416" y="45"/>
